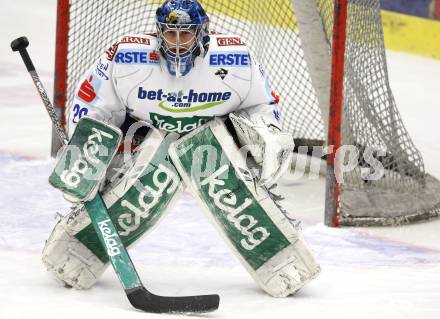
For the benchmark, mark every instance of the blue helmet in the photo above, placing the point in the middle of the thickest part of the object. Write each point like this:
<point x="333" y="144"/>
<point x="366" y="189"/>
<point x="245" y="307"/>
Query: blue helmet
<point x="182" y="29"/>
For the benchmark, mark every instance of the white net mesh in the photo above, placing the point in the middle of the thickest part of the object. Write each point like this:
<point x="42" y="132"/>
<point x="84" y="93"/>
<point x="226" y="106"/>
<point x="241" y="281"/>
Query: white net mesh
<point x="291" y="39"/>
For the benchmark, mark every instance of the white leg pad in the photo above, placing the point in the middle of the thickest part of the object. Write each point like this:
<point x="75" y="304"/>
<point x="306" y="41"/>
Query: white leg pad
<point x="289" y="270"/>
<point x="67" y="258"/>
<point x="254" y="226"/>
<point x="136" y="201"/>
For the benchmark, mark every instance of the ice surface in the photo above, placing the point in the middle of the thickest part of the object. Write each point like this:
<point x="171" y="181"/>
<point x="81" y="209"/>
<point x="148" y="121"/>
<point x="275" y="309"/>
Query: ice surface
<point x="367" y="272"/>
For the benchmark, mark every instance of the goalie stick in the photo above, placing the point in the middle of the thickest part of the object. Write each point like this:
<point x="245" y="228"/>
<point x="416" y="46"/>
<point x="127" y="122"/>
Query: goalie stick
<point x="136" y="293"/>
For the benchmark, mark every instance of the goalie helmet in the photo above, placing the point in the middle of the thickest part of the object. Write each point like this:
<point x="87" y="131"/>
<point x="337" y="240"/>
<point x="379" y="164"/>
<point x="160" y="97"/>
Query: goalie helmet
<point x="182" y="28"/>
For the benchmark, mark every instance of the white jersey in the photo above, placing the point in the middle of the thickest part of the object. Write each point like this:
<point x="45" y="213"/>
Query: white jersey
<point x="132" y="78"/>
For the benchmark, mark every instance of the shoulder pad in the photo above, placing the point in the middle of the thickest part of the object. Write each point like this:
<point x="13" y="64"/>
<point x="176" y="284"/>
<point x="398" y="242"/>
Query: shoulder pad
<point x="132" y="41"/>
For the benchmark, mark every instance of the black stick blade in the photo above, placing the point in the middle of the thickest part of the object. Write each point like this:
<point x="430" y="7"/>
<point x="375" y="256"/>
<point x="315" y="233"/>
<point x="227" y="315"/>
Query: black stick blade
<point x="142" y="299"/>
<point x="19" y="44"/>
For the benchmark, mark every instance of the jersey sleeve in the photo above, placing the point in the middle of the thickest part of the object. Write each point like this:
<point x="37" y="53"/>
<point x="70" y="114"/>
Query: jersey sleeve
<point x="261" y="100"/>
<point x="96" y="97"/>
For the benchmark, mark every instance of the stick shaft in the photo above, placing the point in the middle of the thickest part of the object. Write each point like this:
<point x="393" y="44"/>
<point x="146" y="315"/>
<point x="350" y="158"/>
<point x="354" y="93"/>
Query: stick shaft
<point x="49" y="107"/>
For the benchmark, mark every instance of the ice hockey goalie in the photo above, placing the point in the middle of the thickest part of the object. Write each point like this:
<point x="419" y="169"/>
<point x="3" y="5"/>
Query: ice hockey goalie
<point x="197" y="112"/>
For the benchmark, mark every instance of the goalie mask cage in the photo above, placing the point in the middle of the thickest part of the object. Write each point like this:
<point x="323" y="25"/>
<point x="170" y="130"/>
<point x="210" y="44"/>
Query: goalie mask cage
<point x="292" y="40"/>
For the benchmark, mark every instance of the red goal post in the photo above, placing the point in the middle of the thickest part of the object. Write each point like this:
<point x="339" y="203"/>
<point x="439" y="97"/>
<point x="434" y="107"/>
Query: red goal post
<point x="60" y="81"/>
<point x="332" y="195"/>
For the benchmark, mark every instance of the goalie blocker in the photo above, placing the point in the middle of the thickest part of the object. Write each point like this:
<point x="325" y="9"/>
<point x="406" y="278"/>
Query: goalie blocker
<point x="257" y="231"/>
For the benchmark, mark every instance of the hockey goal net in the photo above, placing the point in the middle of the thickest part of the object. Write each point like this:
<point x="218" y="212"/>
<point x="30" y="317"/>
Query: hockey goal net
<point x="292" y="39"/>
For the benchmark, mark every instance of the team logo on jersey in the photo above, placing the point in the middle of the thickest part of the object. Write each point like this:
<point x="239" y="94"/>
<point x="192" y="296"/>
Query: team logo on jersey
<point x="180" y="102"/>
<point x="235" y="58"/>
<point x="127" y="39"/>
<point x="101" y="70"/>
<point x="276" y="98"/>
<point x="87" y="91"/>
<point x="154" y="56"/>
<point x="180" y="125"/>
<point x="221" y="73"/>
<point x="228" y="41"/>
<point x="136" y="57"/>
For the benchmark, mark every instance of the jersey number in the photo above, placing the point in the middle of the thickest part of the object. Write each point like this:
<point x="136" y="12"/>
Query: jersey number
<point x="78" y="113"/>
